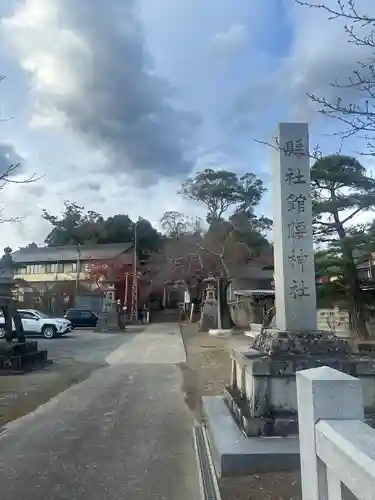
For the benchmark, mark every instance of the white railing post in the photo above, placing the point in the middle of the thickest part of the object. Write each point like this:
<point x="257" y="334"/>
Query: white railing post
<point x="322" y="393"/>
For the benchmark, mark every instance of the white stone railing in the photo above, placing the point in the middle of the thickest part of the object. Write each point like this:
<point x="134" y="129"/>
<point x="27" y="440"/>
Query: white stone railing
<point x="336" y="447"/>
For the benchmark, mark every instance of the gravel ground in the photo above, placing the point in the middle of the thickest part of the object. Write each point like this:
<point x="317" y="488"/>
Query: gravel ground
<point x="75" y="357"/>
<point x="207" y="372"/>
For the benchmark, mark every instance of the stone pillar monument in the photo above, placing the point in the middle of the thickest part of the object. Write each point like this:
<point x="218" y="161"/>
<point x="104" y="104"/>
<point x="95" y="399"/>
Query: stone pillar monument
<point x="293" y="231"/>
<point x="262" y="394"/>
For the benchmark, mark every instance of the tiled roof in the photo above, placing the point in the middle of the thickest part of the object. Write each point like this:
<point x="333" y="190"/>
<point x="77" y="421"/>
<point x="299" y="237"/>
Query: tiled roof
<point x="69" y="253"/>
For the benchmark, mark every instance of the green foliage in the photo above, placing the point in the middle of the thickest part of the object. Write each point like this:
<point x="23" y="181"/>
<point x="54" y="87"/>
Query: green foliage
<point x="148" y="238"/>
<point x="249" y="231"/>
<point x="221" y="190"/>
<point x="77" y="227"/>
<point x="339" y="183"/>
<point x="74" y="226"/>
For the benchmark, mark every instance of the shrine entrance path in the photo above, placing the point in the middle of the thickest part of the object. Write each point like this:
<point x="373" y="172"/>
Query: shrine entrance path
<point x="125" y="432"/>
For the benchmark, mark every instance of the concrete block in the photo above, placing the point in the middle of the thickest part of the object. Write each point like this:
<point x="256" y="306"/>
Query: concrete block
<point x="234" y="454"/>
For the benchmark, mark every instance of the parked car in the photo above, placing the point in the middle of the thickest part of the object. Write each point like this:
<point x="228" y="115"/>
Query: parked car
<point x="37" y="323"/>
<point x="80" y="318"/>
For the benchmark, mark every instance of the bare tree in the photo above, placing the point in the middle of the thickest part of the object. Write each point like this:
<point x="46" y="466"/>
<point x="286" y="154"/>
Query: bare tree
<point x="9" y="176"/>
<point x="231" y="243"/>
<point x="358" y="117"/>
<point x="173" y="223"/>
<point x="178" y="260"/>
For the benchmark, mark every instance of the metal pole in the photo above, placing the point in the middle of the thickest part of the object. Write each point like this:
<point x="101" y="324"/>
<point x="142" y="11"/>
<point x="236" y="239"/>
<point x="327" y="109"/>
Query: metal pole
<point x="134" y="307"/>
<point x="135" y="271"/>
<point x="135" y="250"/>
<point x="78" y="263"/>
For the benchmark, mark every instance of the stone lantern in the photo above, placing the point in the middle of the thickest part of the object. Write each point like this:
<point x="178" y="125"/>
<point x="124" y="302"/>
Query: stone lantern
<point x="209" y="315"/>
<point x="211" y="288"/>
<point x="16" y="355"/>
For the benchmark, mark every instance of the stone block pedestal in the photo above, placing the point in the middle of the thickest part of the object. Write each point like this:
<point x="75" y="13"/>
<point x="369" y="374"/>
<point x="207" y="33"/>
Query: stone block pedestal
<point x="208" y="319"/>
<point x="253" y="427"/>
<point x="262" y="396"/>
<point x="108" y="322"/>
<point x="234" y="454"/>
<point x="21" y="357"/>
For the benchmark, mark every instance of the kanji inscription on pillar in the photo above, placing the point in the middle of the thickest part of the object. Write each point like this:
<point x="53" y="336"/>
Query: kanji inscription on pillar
<point x="293" y="237"/>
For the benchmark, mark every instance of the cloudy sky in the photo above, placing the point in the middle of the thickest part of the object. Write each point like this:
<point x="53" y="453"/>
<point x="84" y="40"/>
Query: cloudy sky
<point x="114" y="103"/>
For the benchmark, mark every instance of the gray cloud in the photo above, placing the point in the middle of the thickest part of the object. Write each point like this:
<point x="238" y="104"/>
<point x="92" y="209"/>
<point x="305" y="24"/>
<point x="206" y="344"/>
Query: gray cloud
<point x="37" y="188"/>
<point x="9" y="157"/>
<point x="91" y="72"/>
<point x="91" y="185"/>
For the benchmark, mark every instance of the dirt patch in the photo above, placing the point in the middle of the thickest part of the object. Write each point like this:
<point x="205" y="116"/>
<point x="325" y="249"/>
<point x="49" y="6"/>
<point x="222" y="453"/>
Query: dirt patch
<point x="207" y="369"/>
<point x="207" y="372"/>
<point x="286" y="486"/>
<point x="22" y="394"/>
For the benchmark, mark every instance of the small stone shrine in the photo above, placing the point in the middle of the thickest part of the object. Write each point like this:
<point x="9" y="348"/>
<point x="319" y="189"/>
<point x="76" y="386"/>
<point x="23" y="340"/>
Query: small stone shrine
<point x="262" y="397"/>
<point x="16" y="354"/>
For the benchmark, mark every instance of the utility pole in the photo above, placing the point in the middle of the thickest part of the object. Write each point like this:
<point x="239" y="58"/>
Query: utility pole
<point x="219" y="322"/>
<point x="134" y="306"/>
<point x="78" y="263"/>
<point x="126" y="294"/>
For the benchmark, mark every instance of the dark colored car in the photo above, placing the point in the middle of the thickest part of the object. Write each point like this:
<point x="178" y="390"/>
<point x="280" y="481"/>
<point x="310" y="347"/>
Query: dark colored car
<point x="80" y="318"/>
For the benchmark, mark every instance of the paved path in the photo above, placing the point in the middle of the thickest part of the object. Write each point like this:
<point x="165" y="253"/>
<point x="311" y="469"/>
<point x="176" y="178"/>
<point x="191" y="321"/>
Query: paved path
<point x="159" y="343"/>
<point x="125" y="433"/>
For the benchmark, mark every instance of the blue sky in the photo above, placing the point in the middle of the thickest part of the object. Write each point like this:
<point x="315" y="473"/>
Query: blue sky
<point x="116" y="102"/>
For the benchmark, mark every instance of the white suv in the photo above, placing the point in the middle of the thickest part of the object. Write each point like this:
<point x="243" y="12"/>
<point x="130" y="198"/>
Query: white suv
<point x="36" y="323"/>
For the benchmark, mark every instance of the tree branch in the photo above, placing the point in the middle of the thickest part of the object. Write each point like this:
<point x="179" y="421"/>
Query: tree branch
<point x="353" y="214"/>
<point x="315" y="155"/>
<point x="350" y="14"/>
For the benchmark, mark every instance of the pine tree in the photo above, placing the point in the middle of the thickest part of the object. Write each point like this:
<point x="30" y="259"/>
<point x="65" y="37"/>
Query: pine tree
<point x="341" y="190"/>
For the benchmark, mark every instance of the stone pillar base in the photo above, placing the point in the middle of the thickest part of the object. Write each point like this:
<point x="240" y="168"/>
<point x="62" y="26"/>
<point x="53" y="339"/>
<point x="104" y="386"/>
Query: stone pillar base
<point x="275" y="342"/>
<point x="262" y="395"/>
<point x="108" y="322"/>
